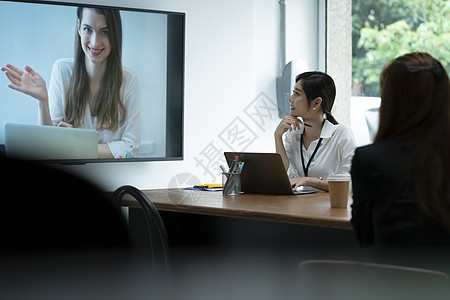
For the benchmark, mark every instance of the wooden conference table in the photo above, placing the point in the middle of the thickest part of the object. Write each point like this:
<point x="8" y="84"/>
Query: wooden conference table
<point x="307" y="209"/>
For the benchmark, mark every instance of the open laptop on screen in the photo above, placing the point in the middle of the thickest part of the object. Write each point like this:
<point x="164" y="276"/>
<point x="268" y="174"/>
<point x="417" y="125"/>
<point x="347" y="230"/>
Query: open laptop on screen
<point x="264" y="173"/>
<point x="49" y="142"/>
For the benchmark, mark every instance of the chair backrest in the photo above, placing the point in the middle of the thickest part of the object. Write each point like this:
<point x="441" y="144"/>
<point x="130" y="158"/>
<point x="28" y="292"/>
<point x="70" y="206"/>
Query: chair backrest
<point x="156" y="228"/>
<point x="335" y="279"/>
<point x="372" y="120"/>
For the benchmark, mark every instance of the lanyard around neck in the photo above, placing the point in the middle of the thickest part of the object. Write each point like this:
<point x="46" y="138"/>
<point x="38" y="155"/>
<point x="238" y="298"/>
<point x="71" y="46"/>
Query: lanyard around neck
<point x="305" y="169"/>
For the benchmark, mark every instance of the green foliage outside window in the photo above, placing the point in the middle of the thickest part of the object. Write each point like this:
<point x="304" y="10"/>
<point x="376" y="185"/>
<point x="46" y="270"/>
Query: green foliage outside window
<point x="385" y="29"/>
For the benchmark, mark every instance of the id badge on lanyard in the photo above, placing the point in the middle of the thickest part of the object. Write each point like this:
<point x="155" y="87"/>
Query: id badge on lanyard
<point x="306" y="169"/>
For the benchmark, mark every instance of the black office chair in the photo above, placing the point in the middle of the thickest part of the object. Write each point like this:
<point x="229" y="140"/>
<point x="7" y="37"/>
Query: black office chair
<point x="156" y="228"/>
<point x="353" y="280"/>
<point x="372" y="116"/>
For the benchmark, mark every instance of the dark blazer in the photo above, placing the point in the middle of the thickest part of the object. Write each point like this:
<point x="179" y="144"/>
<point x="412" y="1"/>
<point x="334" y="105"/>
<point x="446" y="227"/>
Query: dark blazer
<point x="384" y="210"/>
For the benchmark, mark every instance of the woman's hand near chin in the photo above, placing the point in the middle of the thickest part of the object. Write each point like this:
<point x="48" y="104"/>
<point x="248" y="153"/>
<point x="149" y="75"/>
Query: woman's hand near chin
<point x="288" y="123"/>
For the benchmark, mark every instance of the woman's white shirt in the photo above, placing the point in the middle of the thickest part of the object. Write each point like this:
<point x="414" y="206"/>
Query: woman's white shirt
<point x="334" y="155"/>
<point x="127" y="138"/>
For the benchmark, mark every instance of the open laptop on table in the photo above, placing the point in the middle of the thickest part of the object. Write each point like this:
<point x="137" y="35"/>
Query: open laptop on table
<point x="264" y="173"/>
<point x="50" y="142"/>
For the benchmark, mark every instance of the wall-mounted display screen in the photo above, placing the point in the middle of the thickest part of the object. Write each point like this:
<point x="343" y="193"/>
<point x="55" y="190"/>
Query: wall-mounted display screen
<point x="90" y="83"/>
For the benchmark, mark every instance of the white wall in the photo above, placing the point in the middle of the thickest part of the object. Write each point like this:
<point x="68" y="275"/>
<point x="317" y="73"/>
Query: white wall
<point x="339" y="55"/>
<point x="232" y="61"/>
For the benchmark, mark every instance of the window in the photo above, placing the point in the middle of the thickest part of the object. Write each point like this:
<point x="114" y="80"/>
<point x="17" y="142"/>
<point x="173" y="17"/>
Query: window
<point x="385" y="29"/>
<point x="381" y="31"/>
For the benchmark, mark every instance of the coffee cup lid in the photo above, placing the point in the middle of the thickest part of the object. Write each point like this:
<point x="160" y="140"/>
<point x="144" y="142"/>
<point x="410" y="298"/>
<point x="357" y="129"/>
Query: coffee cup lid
<point x="339" y="177"/>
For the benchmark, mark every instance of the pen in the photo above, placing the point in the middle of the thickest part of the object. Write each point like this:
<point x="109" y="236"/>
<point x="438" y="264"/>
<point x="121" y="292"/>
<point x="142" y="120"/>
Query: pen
<point x="236" y="159"/>
<point x="232" y="166"/>
<point x="237" y="167"/>
<point x="301" y="121"/>
<point x="242" y="166"/>
<point x="224" y="170"/>
<point x="233" y="184"/>
<point x="208" y="186"/>
<point x="230" y="177"/>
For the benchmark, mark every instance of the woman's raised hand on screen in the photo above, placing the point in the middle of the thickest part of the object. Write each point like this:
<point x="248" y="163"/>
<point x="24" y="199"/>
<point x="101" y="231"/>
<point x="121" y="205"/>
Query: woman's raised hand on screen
<point x="28" y="82"/>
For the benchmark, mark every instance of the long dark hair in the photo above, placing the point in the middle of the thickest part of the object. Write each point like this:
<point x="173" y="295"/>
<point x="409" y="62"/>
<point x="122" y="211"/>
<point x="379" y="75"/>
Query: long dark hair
<point x="109" y="108"/>
<point x="318" y="84"/>
<point x="415" y="104"/>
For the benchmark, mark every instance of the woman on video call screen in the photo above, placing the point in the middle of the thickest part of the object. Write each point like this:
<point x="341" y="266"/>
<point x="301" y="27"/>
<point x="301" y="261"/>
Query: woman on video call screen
<point x="92" y="89"/>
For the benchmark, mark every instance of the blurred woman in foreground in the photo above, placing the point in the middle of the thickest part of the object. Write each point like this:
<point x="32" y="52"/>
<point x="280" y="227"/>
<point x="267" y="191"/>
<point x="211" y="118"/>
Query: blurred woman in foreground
<point x="401" y="183"/>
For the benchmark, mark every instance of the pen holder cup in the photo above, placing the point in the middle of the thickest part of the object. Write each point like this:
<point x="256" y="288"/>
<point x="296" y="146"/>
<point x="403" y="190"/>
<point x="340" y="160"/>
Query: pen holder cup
<point x="231" y="183"/>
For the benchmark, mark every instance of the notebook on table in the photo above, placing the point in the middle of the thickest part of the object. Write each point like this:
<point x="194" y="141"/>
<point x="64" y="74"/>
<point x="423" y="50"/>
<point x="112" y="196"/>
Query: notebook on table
<point x="264" y="173"/>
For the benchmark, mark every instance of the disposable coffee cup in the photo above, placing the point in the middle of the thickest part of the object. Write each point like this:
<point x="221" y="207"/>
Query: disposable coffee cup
<point x="338" y="186"/>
